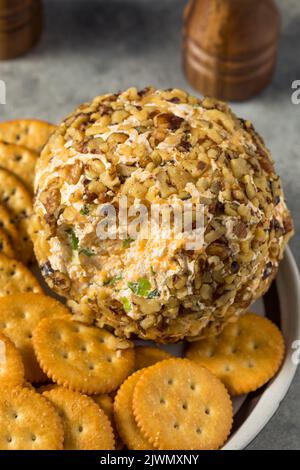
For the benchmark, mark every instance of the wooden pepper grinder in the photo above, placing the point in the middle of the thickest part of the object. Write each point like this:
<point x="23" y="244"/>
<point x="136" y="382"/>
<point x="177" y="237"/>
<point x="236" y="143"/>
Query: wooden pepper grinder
<point x="230" y="46"/>
<point x="20" y="26"/>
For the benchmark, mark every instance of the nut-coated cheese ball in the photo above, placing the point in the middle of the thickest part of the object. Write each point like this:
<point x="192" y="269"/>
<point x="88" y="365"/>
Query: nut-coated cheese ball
<point x="158" y="147"/>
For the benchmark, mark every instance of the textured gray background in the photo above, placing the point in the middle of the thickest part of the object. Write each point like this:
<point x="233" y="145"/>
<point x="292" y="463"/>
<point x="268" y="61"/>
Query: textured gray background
<point x="95" y="46"/>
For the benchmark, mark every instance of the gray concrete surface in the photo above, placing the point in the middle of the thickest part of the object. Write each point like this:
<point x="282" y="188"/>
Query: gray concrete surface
<point x="95" y="46"/>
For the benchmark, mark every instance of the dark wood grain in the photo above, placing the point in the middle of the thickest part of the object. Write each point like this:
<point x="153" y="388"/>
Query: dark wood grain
<point x="230" y="46"/>
<point x="20" y="26"/>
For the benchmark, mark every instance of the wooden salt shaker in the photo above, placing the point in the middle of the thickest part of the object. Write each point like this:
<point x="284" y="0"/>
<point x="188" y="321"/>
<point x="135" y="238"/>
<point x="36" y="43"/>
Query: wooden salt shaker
<point x="230" y="46"/>
<point x="20" y="26"/>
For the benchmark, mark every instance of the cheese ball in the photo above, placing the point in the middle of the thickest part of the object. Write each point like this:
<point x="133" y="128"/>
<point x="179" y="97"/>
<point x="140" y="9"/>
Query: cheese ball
<point x="158" y="147"/>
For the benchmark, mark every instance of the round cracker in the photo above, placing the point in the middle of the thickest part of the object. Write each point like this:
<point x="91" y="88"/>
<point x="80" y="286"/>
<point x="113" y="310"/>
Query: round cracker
<point x="16" y="278"/>
<point x="106" y="404"/>
<point x="31" y="133"/>
<point x="146" y="356"/>
<point x="5" y="245"/>
<point x="178" y="404"/>
<point x="124" y="418"/>
<point x="11" y="365"/>
<point x="45" y="388"/>
<point x="244" y="356"/>
<point x="20" y="161"/>
<point x="30" y="386"/>
<point x="83" y="358"/>
<point x="28" y="421"/>
<point x="19" y="316"/>
<point x="17" y="199"/>
<point x="7" y="224"/>
<point x="86" y="426"/>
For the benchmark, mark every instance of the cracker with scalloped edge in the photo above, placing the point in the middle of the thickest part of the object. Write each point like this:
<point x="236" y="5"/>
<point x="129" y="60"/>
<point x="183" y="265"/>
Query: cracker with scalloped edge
<point x="16" y="198"/>
<point x="7" y="224"/>
<point x="86" y="426"/>
<point x="5" y="244"/>
<point x="28" y="421"/>
<point x="16" y="278"/>
<point x="106" y="403"/>
<point x="124" y="418"/>
<point x="29" y="385"/>
<point x="146" y="356"/>
<point x="19" y="316"/>
<point x="11" y="365"/>
<point x="245" y="356"/>
<point x="179" y="405"/>
<point x="20" y="161"/>
<point x="83" y="358"/>
<point x="46" y="387"/>
<point x="31" y="133"/>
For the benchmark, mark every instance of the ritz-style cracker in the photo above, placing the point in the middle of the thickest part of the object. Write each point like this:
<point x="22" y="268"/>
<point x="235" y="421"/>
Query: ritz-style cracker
<point x="16" y="278"/>
<point x="20" y="161"/>
<point x="146" y="356"/>
<point x="5" y="244"/>
<point x="179" y="405"/>
<point x="19" y="316"/>
<point x="28" y="421"/>
<point x="82" y="358"/>
<point x="245" y="356"/>
<point x="7" y="224"/>
<point x="86" y="426"/>
<point x="31" y="133"/>
<point x="15" y="197"/>
<point x="11" y="365"/>
<point x="126" y="425"/>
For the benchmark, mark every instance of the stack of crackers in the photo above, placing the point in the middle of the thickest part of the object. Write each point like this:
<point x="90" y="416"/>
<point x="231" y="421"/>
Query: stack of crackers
<point x="101" y="392"/>
<point x="67" y="385"/>
<point x="20" y="144"/>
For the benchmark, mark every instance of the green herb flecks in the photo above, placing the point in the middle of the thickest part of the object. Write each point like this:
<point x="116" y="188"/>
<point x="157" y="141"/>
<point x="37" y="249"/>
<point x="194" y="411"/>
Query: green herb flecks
<point x="84" y="210"/>
<point x="111" y="281"/>
<point x="133" y="286"/>
<point x="87" y="252"/>
<point x="126" y="304"/>
<point x="73" y="239"/>
<point x="142" y="287"/>
<point x="153" y="294"/>
<point x="186" y="198"/>
<point x="127" y="241"/>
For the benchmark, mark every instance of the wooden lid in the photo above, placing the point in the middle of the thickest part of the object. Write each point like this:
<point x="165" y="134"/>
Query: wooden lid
<point x="15" y="15"/>
<point x="20" y="26"/>
<point x="14" y="9"/>
<point x="230" y="46"/>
